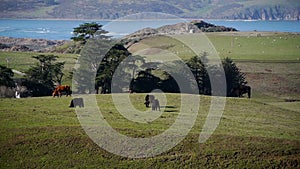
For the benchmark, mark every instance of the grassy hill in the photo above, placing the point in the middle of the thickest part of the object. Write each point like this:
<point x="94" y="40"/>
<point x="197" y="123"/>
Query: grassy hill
<point x="261" y="132"/>
<point x="45" y="133"/>
<point x="109" y="9"/>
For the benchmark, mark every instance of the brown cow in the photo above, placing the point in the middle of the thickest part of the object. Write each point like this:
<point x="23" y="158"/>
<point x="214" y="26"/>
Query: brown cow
<point x="63" y="88"/>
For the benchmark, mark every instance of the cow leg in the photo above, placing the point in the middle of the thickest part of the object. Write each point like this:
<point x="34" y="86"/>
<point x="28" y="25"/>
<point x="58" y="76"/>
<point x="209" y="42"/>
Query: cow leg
<point x="249" y="93"/>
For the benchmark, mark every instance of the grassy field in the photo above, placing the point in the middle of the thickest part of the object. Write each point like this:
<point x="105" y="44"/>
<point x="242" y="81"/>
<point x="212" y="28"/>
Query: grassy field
<point x="22" y="61"/>
<point x="261" y="132"/>
<point x="242" y="46"/>
<point x="47" y="134"/>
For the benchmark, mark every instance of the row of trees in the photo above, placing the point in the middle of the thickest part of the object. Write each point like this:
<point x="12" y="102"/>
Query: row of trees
<point x="149" y="79"/>
<point x="116" y="70"/>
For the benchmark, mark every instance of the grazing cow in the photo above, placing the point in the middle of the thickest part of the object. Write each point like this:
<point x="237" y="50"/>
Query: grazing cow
<point x="155" y="105"/>
<point x="148" y="100"/>
<point x="241" y="90"/>
<point x="77" y="102"/>
<point x="63" y="88"/>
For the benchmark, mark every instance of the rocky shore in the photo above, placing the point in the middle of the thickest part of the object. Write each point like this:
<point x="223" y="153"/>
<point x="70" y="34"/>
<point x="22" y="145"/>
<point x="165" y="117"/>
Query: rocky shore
<point x="28" y="44"/>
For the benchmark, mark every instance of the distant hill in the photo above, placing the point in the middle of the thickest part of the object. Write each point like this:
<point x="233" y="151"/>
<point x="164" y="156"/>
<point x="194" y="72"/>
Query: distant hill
<point x="112" y="9"/>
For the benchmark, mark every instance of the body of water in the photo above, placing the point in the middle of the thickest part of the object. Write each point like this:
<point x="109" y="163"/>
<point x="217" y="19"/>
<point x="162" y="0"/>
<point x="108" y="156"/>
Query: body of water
<point x="62" y="29"/>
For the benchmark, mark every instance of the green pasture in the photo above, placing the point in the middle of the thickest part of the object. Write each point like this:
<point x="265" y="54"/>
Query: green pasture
<point x="242" y="46"/>
<point x="258" y="46"/>
<point x="45" y="133"/>
<point x="22" y="61"/>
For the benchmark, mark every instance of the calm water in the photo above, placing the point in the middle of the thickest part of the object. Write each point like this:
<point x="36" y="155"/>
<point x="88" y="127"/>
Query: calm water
<point x="62" y="29"/>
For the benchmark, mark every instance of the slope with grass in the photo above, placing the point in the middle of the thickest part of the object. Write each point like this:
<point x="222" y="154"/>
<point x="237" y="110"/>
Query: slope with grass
<point x="45" y="133"/>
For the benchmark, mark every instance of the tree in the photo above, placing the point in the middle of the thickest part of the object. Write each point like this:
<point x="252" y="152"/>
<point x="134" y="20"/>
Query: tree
<point x="168" y="84"/>
<point x="145" y="82"/>
<point x="88" y="30"/>
<point x="234" y="77"/>
<point x="108" y="66"/>
<point x="6" y="75"/>
<point x="199" y="70"/>
<point x="42" y="77"/>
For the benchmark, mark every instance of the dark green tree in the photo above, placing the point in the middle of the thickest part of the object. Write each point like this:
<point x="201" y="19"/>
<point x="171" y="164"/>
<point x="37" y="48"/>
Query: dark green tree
<point x="234" y="77"/>
<point x="88" y="30"/>
<point x="199" y="70"/>
<point x="108" y="66"/>
<point x="42" y="77"/>
<point x="145" y="82"/>
<point x="6" y="75"/>
<point x="168" y="84"/>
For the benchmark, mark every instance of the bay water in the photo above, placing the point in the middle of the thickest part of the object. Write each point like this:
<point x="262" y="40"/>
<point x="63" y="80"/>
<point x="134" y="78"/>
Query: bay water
<point x="62" y="29"/>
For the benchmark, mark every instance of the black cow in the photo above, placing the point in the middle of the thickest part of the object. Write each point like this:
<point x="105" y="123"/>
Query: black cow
<point x="241" y="90"/>
<point x="77" y="102"/>
<point x="155" y="105"/>
<point x="148" y="100"/>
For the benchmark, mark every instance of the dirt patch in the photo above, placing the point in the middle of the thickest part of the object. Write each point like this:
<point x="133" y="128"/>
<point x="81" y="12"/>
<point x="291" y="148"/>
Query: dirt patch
<point x="273" y="79"/>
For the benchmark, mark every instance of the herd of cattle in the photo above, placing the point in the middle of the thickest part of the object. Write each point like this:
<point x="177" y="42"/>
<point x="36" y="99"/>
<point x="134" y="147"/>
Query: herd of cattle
<point x="150" y="100"/>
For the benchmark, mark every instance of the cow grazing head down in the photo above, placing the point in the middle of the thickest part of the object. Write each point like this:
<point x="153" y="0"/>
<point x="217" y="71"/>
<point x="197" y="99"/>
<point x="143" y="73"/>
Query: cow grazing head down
<point x="77" y="102"/>
<point x="155" y="105"/>
<point x="150" y="100"/>
<point x="241" y="90"/>
<point x="62" y="89"/>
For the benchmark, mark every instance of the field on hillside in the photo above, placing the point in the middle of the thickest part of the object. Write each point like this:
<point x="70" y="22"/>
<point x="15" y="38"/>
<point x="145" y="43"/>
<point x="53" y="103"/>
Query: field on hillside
<point x="261" y="132"/>
<point x="22" y="61"/>
<point x="243" y="46"/>
<point x="45" y="133"/>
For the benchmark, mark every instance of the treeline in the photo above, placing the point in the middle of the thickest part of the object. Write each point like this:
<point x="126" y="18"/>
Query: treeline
<point x="107" y="68"/>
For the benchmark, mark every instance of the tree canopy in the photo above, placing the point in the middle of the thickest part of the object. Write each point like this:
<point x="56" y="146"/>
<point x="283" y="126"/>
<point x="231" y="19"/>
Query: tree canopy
<point x="42" y="77"/>
<point x="88" y="30"/>
<point x="234" y="77"/>
<point x="6" y="75"/>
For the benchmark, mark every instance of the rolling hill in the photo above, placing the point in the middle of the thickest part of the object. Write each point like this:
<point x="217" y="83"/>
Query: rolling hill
<point x="112" y="9"/>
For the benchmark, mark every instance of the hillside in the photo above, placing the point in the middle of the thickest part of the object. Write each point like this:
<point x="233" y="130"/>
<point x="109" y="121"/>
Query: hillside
<point x="261" y="132"/>
<point x="112" y="9"/>
<point x="45" y="133"/>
